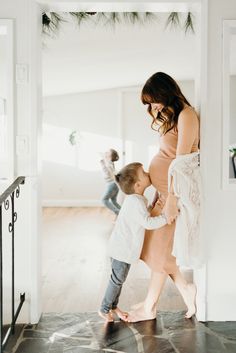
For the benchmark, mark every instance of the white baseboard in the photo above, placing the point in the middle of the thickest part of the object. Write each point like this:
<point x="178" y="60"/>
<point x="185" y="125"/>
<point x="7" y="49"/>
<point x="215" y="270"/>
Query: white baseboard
<point x="72" y="203"/>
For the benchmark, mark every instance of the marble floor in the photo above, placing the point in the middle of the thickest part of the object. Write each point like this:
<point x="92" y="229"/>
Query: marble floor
<point x="86" y="333"/>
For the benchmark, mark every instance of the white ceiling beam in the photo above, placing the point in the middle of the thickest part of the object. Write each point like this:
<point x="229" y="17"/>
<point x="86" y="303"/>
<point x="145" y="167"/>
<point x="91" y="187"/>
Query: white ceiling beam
<point x="121" y="6"/>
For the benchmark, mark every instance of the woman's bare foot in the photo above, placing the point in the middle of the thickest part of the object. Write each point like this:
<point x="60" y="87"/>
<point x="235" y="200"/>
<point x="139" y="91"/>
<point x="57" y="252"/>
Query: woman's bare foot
<point x="121" y="314"/>
<point x="141" y="314"/>
<point x="190" y="300"/>
<point x="108" y="317"/>
<point x="137" y="306"/>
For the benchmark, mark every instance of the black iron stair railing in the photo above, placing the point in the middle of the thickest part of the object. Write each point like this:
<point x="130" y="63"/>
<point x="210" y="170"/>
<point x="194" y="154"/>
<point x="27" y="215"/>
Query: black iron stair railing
<point x="12" y="192"/>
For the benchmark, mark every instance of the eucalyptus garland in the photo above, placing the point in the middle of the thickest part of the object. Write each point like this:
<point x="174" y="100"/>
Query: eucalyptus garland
<point x="53" y="21"/>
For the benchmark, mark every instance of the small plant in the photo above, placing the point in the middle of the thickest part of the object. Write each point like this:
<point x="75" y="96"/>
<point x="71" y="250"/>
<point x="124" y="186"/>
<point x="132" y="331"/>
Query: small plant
<point x="72" y="138"/>
<point x="232" y="148"/>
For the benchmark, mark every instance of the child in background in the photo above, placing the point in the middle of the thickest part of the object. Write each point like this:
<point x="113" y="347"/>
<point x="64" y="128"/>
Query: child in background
<point x="127" y="237"/>
<point x="110" y="197"/>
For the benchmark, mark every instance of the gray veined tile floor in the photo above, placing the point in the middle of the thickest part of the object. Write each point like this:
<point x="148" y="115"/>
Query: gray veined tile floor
<point x="86" y="333"/>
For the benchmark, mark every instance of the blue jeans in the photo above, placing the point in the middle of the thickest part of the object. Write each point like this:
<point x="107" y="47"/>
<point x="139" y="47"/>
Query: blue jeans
<point x="109" y="198"/>
<point x="119" y="273"/>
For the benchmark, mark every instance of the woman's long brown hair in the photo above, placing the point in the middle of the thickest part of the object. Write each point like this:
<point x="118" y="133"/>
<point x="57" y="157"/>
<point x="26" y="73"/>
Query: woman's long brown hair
<point x="161" y="88"/>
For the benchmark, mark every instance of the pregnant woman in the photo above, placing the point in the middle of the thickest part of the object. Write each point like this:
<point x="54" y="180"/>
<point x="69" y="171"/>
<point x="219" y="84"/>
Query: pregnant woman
<point x="178" y="126"/>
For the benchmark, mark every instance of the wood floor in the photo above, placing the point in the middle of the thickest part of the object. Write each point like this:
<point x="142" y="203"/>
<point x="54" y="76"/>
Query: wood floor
<point x="75" y="267"/>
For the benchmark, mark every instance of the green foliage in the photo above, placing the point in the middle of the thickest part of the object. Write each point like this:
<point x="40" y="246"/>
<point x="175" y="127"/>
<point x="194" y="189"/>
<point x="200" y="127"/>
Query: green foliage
<point x="80" y="17"/>
<point x="233" y="150"/>
<point x="173" y="20"/>
<point x="72" y="138"/>
<point x="189" y="23"/>
<point x="52" y="21"/>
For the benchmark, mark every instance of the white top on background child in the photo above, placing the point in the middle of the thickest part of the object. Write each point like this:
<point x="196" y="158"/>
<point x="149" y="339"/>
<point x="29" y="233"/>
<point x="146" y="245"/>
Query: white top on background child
<point x="127" y="237"/>
<point x="107" y="164"/>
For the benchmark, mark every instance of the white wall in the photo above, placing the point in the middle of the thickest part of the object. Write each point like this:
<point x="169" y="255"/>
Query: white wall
<point x="219" y="216"/>
<point x="26" y="108"/>
<point x="68" y="180"/>
<point x="4" y="154"/>
<point x="232" y="138"/>
<point x="107" y="114"/>
<point x="232" y="130"/>
<point x="3" y="82"/>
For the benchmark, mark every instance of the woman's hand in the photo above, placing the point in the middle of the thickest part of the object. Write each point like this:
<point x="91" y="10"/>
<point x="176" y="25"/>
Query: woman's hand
<point x="171" y="210"/>
<point x="159" y="206"/>
<point x="155" y="199"/>
<point x="160" y="202"/>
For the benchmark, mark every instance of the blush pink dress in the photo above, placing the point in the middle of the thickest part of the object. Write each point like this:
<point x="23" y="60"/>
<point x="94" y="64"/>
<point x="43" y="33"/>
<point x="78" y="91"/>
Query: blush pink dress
<point x="158" y="243"/>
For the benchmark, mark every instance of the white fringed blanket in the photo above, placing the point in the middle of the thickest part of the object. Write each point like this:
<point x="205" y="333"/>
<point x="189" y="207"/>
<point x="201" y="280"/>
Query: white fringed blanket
<point x="187" y="248"/>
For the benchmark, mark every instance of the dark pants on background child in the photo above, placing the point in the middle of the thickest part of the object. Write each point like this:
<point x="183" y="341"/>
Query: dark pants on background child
<point x="119" y="273"/>
<point x="109" y="199"/>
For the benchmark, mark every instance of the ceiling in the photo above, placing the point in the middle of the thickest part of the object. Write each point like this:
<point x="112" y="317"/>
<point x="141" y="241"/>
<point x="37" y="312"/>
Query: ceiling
<point x="94" y="57"/>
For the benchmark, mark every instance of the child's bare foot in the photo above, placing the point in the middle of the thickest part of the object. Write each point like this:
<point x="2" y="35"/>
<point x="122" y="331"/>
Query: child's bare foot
<point x="121" y="314"/>
<point x="141" y="314"/>
<point x="190" y="302"/>
<point x="106" y="316"/>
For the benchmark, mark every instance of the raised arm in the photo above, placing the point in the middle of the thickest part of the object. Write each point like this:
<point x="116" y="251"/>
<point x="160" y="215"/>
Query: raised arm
<point x="142" y="216"/>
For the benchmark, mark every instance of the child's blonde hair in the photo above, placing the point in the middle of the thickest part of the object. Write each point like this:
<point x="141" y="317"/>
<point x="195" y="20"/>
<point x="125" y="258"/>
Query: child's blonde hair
<point x="127" y="177"/>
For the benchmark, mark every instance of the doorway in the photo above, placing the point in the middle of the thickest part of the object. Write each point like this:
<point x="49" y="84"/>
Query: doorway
<point x="106" y="9"/>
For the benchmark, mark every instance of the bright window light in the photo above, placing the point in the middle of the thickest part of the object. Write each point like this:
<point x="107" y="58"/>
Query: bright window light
<point x="90" y="146"/>
<point x="129" y="148"/>
<point x="3" y="138"/>
<point x="3" y="30"/>
<point x="56" y="145"/>
<point x="4" y="146"/>
<point x="83" y="153"/>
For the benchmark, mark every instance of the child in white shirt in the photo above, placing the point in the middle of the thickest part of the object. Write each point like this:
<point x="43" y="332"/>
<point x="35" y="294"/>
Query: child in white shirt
<point x="127" y="238"/>
<point x="109" y="198"/>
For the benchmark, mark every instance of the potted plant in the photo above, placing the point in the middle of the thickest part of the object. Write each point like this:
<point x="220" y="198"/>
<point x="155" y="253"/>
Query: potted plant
<point x="232" y="149"/>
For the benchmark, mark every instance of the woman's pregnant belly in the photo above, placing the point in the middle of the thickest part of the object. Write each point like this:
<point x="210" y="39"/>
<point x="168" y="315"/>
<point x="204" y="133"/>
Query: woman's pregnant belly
<point x="158" y="171"/>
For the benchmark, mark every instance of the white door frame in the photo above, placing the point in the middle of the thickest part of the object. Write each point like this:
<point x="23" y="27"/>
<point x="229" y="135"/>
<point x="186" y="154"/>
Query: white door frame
<point x="229" y="29"/>
<point x="39" y="6"/>
<point x="9" y="104"/>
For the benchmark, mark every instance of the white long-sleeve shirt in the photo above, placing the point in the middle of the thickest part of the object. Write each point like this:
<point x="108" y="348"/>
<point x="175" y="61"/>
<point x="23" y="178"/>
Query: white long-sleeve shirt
<point x="108" y="168"/>
<point x="127" y="237"/>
